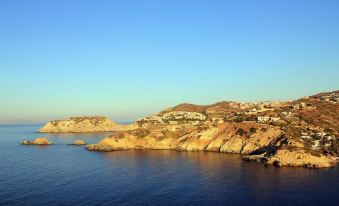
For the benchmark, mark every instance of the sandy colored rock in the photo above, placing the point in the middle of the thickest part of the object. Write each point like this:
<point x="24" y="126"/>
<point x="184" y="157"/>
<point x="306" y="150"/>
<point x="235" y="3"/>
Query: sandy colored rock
<point x="300" y="158"/>
<point x="84" y="124"/>
<point x="79" y="142"/>
<point x="233" y="145"/>
<point x="260" y="139"/>
<point x="201" y="140"/>
<point x="37" y="141"/>
<point x="294" y="158"/>
<point x="223" y="138"/>
<point x="262" y="143"/>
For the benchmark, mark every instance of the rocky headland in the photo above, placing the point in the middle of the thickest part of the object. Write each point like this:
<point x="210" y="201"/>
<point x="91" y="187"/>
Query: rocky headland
<point x="84" y="124"/>
<point x="301" y="133"/>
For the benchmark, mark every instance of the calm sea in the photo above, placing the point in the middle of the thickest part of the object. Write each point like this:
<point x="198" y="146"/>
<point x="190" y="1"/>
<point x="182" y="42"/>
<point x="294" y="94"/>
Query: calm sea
<point x="69" y="175"/>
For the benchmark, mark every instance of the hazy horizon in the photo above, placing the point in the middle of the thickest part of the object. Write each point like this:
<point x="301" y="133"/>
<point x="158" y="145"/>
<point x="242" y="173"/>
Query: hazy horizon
<point x="128" y="59"/>
<point x="42" y="121"/>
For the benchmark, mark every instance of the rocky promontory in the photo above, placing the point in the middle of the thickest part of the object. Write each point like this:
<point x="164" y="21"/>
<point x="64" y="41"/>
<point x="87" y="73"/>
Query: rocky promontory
<point x="84" y="124"/>
<point x="301" y="133"/>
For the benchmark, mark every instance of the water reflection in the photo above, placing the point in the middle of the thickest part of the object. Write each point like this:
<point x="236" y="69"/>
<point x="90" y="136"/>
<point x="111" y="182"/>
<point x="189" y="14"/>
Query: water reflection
<point x="219" y="175"/>
<point x="78" y="135"/>
<point x="67" y="138"/>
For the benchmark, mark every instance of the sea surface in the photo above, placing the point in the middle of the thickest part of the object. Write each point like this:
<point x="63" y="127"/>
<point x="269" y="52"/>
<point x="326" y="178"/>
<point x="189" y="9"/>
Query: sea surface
<point x="61" y="174"/>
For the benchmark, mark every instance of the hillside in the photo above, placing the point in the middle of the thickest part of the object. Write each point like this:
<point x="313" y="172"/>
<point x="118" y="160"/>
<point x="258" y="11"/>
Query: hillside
<point x="295" y="133"/>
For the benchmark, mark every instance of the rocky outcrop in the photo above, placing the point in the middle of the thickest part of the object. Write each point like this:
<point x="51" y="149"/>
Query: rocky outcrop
<point x="84" y="124"/>
<point x="293" y="157"/>
<point x="256" y="142"/>
<point x="300" y="158"/>
<point x="79" y="142"/>
<point x="285" y="152"/>
<point x="37" y="141"/>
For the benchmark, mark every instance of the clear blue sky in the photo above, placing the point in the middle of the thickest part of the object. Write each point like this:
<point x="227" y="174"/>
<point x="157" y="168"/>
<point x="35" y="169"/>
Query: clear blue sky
<point x="125" y="59"/>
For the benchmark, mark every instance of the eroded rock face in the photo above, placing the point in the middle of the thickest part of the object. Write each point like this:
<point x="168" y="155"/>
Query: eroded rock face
<point x="84" y="124"/>
<point x="293" y="157"/>
<point x="257" y="142"/>
<point x="299" y="157"/>
<point x="290" y="152"/>
<point x="37" y="141"/>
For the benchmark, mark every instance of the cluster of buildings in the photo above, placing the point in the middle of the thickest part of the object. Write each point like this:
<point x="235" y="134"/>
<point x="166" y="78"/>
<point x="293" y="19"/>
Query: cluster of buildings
<point x="266" y="118"/>
<point x="333" y="97"/>
<point x="182" y="115"/>
<point x="318" y="135"/>
<point x="245" y="105"/>
<point x="316" y="138"/>
<point x="175" y="118"/>
<point x="154" y="119"/>
<point x="299" y="106"/>
<point x="288" y="114"/>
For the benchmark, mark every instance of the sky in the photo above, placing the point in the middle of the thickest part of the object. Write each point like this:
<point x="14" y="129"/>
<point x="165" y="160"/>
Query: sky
<point x="126" y="59"/>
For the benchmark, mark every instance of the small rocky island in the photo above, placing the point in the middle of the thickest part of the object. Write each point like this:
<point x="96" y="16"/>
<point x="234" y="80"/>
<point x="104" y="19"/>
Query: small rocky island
<point x="84" y="124"/>
<point x="38" y="141"/>
<point x="301" y="133"/>
<point x="79" y="142"/>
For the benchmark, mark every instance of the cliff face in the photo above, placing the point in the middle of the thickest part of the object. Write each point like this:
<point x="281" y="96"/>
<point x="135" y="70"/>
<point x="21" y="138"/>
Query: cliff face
<point x="257" y="142"/>
<point x="296" y="133"/>
<point x="84" y="124"/>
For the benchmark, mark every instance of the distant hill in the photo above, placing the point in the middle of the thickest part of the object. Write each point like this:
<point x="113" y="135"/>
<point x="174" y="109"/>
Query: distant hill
<point x="84" y="124"/>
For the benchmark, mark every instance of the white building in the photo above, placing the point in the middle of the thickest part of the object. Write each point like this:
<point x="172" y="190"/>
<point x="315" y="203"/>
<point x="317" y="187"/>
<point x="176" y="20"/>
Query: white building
<point x="296" y="107"/>
<point x="263" y="118"/>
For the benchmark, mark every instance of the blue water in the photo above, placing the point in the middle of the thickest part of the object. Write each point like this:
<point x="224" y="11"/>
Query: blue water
<point x="69" y="175"/>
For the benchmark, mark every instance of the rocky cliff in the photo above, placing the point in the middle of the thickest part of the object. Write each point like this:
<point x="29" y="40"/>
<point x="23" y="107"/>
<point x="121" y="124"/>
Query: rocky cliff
<point x="258" y="142"/>
<point x="295" y="133"/>
<point x="84" y="124"/>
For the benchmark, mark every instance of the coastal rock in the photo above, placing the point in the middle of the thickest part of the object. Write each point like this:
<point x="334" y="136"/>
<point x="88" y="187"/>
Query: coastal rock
<point x="229" y="138"/>
<point x="293" y="158"/>
<point x="79" y="142"/>
<point x="202" y="139"/>
<point x="257" y="142"/>
<point x="233" y="145"/>
<point x="101" y="148"/>
<point x="38" y="141"/>
<point x="292" y="153"/>
<point x="260" y="139"/>
<point x="299" y="157"/>
<point x="84" y="124"/>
